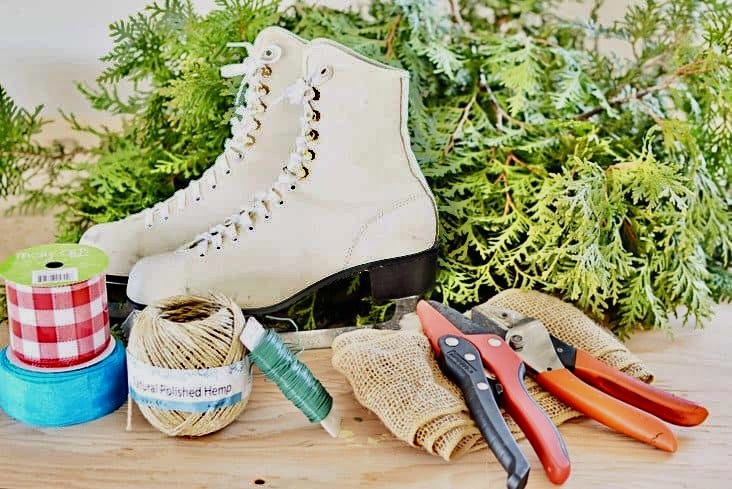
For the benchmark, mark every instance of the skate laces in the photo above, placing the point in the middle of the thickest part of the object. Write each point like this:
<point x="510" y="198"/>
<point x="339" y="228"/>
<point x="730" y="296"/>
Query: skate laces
<point x="248" y="106"/>
<point x="303" y="92"/>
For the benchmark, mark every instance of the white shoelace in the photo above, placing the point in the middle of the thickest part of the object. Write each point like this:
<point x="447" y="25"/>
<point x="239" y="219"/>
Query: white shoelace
<point x="248" y="105"/>
<point x="302" y="92"/>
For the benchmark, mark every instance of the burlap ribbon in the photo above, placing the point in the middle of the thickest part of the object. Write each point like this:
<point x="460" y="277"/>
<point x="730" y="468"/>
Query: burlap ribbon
<point x="395" y="375"/>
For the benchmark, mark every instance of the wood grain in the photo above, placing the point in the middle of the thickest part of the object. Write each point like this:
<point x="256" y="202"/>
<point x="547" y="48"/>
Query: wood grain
<point x="273" y="444"/>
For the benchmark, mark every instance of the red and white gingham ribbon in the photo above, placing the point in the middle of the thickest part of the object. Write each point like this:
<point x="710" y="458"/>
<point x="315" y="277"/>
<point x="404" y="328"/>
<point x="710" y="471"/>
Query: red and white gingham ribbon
<point x="60" y="326"/>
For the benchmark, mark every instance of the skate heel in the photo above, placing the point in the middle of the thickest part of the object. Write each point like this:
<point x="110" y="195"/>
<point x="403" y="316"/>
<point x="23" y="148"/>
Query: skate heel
<point x="403" y="277"/>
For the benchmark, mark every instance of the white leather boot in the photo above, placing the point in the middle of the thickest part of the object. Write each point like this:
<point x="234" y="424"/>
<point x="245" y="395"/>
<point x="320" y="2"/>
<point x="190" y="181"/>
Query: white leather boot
<point x="261" y="132"/>
<point x="350" y="199"/>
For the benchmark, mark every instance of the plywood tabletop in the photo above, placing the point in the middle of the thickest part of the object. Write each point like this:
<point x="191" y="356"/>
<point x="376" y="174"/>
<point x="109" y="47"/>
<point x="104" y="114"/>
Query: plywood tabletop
<point x="273" y="446"/>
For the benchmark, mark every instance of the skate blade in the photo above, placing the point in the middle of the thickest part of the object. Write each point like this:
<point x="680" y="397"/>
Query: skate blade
<point x="391" y="278"/>
<point x="118" y="306"/>
<point x="323" y="338"/>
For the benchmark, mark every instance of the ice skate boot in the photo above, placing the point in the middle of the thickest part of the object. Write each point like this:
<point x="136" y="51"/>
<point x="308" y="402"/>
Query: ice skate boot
<point x="350" y="199"/>
<point x="261" y="134"/>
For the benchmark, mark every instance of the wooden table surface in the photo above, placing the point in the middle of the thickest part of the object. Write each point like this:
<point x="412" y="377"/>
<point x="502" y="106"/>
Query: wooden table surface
<point x="272" y="445"/>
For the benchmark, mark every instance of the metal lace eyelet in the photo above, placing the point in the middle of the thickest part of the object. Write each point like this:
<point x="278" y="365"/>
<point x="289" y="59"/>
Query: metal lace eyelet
<point x="257" y="122"/>
<point x="263" y="89"/>
<point x="309" y="154"/>
<point x="316" y="94"/>
<point x="313" y="135"/>
<point x="271" y="53"/>
<point x="315" y="115"/>
<point x="218" y="247"/>
<point x="251" y="228"/>
<point x="266" y="70"/>
<point x="227" y="172"/>
<point x="326" y="73"/>
<point x="250" y="140"/>
<point x="281" y="203"/>
<point x="293" y="187"/>
<point x="262" y="106"/>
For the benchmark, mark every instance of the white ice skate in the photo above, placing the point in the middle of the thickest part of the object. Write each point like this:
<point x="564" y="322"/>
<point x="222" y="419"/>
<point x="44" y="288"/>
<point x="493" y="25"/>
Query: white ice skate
<point x="350" y="199"/>
<point x="261" y="132"/>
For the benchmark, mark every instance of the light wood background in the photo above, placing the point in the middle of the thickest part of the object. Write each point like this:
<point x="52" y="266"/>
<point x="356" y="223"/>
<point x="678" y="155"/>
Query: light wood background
<point x="273" y="444"/>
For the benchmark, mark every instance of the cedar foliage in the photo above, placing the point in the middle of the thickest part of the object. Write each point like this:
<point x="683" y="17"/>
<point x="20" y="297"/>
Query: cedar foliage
<point x="556" y="165"/>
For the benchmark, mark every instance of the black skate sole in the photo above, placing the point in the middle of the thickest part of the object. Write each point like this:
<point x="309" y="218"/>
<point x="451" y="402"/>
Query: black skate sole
<point x="119" y="308"/>
<point x="390" y="279"/>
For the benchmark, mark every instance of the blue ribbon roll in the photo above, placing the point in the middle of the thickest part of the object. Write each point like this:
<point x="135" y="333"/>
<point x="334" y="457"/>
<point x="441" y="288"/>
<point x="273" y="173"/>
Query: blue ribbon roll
<point x="56" y="399"/>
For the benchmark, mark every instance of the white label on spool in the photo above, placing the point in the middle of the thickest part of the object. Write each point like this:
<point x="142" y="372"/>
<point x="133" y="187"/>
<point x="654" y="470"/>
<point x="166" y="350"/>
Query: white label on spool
<point x="45" y="277"/>
<point x="189" y="390"/>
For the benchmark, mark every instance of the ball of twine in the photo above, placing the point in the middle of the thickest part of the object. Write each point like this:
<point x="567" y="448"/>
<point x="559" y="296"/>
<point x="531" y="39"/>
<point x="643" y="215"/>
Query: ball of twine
<point x="185" y="332"/>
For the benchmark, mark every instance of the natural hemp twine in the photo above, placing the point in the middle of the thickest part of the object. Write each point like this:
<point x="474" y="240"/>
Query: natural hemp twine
<point x="185" y="332"/>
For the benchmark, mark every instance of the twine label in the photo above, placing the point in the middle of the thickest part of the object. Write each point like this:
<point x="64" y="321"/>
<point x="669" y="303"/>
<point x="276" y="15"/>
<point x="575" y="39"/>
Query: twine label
<point x="188" y="390"/>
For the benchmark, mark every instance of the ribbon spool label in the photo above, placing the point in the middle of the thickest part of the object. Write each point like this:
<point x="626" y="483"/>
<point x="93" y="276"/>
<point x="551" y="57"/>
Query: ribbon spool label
<point x="188" y="390"/>
<point x="53" y="265"/>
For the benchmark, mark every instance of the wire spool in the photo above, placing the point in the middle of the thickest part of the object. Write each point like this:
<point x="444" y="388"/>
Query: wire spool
<point x="187" y="369"/>
<point x="293" y="377"/>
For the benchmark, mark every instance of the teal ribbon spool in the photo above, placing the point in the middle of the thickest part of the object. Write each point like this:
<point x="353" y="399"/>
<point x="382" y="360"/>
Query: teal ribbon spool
<point x="57" y="399"/>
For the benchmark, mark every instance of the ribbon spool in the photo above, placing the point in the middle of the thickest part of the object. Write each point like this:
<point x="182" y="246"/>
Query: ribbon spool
<point x="62" y="366"/>
<point x="187" y="369"/>
<point x="56" y="399"/>
<point x="57" y="307"/>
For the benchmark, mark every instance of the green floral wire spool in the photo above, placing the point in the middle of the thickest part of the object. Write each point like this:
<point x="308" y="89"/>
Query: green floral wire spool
<point x="294" y="379"/>
<point x="291" y="376"/>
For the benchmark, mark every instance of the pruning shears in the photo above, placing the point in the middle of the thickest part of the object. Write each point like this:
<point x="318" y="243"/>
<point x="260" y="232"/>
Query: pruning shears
<point x="489" y="373"/>
<point x="601" y="392"/>
<point x="593" y="388"/>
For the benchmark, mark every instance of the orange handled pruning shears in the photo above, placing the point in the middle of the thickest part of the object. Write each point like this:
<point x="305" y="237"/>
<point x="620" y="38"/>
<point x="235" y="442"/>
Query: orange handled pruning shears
<point x="618" y="401"/>
<point x="507" y="340"/>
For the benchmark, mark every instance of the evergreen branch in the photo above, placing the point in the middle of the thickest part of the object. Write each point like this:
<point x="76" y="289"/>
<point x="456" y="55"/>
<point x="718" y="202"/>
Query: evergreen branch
<point x="501" y="113"/>
<point x="512" y="158"/>
<point x="509" y="205"/>
<point x="693" y="68"/>
<point x="530" y="193"/>
<point x="459" y="127"/>
<point x="391" y="36"/>
<point x="457" y="18"/>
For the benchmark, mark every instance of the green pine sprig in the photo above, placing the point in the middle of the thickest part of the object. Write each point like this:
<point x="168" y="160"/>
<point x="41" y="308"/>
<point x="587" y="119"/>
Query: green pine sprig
<point x="556" y="165"/>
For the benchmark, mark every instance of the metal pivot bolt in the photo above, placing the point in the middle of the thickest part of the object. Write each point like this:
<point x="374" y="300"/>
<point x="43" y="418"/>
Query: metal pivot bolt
<point x="451" y="341"/>
<point x="517" y="342"/>
<point x="482" y="386"/>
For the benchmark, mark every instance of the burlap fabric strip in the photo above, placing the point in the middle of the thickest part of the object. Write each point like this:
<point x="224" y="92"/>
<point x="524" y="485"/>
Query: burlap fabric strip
<point x="394" y="374"/>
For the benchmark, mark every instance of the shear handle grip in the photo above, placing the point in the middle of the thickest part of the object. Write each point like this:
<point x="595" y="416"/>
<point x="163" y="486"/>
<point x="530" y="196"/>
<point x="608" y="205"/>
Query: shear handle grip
<point x="607" y="410"/>
<point x="615" y="383"/>
<point x="544" y="437"/>
<point x="480" y="397"/>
